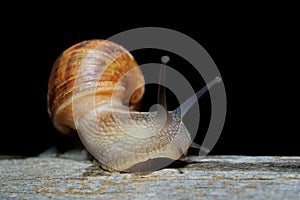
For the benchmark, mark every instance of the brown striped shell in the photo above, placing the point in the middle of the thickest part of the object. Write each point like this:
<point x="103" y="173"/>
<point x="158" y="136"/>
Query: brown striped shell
<point x="103" y="57"/>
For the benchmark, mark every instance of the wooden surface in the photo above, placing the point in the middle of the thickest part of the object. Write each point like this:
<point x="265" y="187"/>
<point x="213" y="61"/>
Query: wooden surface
<point x="212" y="177"/>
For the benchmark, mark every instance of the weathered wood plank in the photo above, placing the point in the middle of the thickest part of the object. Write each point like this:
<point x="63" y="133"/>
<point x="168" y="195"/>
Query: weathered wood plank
<point x="214" y="177"/>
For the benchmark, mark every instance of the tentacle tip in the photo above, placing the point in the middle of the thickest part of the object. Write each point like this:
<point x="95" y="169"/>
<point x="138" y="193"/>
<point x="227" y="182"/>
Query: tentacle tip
<point x="218" y="79"/>
<point x="200" y="147"/>
<point x="165" y="59"/>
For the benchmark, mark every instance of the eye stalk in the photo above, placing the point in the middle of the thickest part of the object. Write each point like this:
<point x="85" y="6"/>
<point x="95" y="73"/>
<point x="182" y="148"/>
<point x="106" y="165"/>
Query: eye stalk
<point x="184" y="107"/>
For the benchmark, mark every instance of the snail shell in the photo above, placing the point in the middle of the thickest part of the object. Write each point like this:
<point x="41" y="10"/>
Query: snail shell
<point x="89" y="74"/>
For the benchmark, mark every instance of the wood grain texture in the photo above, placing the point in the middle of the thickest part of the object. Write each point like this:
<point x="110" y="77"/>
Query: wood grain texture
<point x="214" y="177"/>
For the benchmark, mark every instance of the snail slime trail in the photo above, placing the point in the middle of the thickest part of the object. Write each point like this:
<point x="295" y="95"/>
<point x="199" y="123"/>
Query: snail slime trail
<point x="93" y="89"/>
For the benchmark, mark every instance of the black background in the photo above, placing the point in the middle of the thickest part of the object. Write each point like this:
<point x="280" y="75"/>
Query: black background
<point x="256" y="54"/>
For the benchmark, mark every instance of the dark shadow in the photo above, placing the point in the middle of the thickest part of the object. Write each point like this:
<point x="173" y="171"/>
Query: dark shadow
<point x="177" y="164"/>
<point x="144" y="167"/>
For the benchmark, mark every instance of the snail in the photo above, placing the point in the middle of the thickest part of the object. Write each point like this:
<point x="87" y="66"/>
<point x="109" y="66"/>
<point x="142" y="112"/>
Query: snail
<point x="95" y="88"/>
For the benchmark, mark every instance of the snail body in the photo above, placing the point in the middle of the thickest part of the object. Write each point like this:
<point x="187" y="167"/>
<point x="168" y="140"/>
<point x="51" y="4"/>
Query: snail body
<point x="94" y="88"/>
